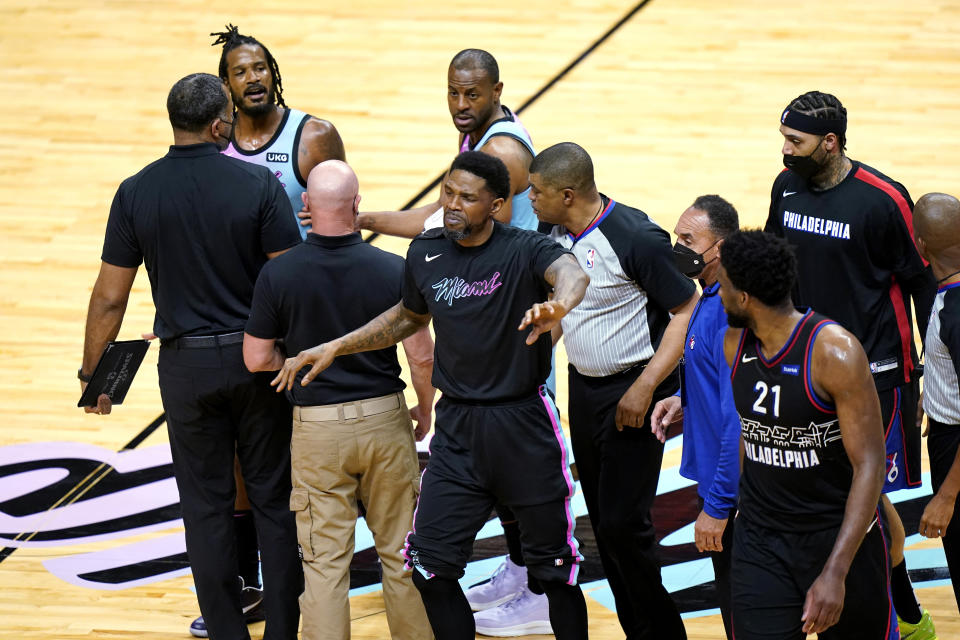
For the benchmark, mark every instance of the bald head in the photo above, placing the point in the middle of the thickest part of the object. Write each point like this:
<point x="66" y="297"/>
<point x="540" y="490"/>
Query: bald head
<point x="936" y="219"/>
<point x="332" y="197"/>
<point x="936" y="229"/>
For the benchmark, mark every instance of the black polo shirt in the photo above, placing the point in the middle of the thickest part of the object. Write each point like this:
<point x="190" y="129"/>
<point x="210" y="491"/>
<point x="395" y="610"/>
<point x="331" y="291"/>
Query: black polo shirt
<point x="319" y="291"/>
<point x="202" y="223"/>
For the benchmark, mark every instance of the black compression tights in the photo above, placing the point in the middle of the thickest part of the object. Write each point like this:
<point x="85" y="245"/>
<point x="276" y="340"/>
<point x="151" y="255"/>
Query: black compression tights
<point x="447" y="608"/>
<point x="568" y="610"/>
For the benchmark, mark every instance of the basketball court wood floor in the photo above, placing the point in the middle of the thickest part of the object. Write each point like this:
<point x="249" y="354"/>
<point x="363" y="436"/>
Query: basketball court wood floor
<point x="682" y="99"/>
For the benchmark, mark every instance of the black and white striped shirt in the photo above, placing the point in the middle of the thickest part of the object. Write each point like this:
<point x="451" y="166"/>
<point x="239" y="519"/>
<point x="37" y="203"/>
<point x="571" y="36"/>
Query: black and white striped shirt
<point x="941" y="369"/>
<point x="633" y="285"/>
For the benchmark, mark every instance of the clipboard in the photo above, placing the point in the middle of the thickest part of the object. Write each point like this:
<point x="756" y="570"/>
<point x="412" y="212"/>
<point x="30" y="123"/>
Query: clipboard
<point x="114" y="372"/>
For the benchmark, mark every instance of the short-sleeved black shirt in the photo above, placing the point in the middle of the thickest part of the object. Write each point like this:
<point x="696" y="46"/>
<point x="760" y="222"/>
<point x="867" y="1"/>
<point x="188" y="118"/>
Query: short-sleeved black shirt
<point x="319" y="291"/>
<point x="202" y="223"/>
<point x="477" y="297"/>
<point x="854" y="245"/>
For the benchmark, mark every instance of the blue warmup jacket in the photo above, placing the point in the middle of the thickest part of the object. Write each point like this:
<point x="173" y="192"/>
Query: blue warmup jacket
<point x="711" y="425"/>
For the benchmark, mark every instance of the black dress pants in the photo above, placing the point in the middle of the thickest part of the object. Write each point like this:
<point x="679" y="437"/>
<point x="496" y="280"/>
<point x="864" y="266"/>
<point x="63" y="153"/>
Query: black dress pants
<point x="215" y="407"/>
<point x="942" y="445"/>
<point x="618" y="473"/>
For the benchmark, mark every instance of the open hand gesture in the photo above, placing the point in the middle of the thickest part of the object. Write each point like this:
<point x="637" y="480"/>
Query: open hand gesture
<point x="543" y="316"/>
<point x="319" y="357"/>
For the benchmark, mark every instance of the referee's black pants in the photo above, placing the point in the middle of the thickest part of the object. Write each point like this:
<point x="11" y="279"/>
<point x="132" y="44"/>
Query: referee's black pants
<point x="618" y="473"/>
<point x="215" y="407"/>
<point x="942" y="444"/>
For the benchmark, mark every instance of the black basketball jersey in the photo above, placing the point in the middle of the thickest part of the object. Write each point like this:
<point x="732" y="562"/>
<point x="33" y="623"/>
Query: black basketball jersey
<point x="796" y="474"/>
<point x="477" y="297"/>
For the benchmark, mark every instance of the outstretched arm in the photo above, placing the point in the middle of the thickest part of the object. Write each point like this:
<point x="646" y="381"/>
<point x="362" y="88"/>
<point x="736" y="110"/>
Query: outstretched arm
<point x="389" y="328"/>
<point x="841" y="372"/>
<point x="406" y="224"/>
<point x="569" y="284"/>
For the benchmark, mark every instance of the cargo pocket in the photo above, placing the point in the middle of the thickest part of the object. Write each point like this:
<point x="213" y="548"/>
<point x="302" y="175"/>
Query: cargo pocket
<point x="300" y="505"/>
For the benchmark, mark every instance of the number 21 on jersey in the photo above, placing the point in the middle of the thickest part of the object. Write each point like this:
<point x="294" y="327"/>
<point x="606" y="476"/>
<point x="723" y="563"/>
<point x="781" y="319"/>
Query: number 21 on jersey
<point x="762" y="390"/>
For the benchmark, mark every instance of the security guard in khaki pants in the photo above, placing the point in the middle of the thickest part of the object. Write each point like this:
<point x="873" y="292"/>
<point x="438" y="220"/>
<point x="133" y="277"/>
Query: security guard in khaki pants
<point x="352" y="432"/>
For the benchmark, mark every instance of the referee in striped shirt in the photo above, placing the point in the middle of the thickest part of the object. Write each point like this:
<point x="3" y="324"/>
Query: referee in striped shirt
<point x="623" y="347"/>
<point x="936" y="221"/>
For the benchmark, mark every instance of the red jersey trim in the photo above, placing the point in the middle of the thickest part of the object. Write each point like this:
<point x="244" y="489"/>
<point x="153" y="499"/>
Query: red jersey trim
<point x="903" y="326"/>
<point x="901" y="202"/>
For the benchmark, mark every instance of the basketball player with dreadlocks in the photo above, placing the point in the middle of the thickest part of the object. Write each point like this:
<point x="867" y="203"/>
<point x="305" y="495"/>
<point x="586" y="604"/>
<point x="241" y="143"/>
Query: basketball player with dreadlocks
<point x="266" y="132"/>
<point x="852" y="230"/>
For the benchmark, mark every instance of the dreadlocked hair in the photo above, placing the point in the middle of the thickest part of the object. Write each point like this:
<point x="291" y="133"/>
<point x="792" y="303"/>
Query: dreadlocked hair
<point x="822" y="105"/>
<point x="231" y="39"/>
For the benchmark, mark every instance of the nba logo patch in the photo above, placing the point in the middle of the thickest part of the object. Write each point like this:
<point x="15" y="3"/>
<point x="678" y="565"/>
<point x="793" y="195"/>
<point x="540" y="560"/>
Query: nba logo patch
<point x="591" y="254"/>
<point x="693" y="340"/>
<point x="783" y="118"/>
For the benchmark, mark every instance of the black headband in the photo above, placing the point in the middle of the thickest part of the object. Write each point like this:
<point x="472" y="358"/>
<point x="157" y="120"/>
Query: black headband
<point x="810" y="124"/>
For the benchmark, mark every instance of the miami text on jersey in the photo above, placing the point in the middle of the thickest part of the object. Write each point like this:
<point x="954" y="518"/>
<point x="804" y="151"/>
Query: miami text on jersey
<point x="456" y="287"/>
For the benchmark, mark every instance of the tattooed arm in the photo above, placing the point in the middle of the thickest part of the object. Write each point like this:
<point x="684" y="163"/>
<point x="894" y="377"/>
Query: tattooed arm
<point x="389" y="328"/>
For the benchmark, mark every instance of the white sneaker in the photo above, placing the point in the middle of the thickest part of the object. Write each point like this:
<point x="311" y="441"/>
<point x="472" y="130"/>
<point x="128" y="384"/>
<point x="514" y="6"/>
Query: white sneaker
<point x="503" y="586"/>
<point x="526" y="614"/>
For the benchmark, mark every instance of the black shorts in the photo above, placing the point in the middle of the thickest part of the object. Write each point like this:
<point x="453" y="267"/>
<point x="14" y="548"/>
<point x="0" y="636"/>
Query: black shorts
<point x="898" y="408"/>
<point x="513" y="454"/>
<point x="773" y="570"/>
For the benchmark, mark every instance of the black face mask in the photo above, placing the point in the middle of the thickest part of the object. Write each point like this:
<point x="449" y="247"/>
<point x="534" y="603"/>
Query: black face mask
<point x="689" y="262"/>
<point x="804" y="166"/>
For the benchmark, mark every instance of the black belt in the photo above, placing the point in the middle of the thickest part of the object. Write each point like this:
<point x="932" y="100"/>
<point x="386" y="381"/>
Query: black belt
<point x="205" y="342"/>
<point x="941" y="425"/>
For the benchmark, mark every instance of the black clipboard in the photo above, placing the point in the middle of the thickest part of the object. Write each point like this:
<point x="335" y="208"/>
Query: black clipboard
<point x="114" y="372"/>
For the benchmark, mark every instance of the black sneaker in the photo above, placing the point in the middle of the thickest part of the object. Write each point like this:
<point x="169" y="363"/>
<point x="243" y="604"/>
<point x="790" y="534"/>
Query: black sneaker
<point x="251" y="599"/>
